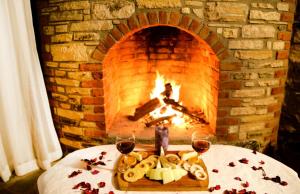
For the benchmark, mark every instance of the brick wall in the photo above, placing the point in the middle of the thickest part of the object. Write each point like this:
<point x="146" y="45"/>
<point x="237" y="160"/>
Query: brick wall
<point x="251" y="40"/>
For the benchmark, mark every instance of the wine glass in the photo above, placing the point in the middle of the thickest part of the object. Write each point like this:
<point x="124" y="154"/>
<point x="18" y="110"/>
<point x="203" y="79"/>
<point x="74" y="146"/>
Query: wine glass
<point x="125" y="145"/>
<point x="201" y="142"/>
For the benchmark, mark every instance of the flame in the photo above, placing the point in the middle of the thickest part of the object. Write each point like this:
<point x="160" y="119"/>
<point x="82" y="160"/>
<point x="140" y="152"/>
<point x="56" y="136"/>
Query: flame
<point x="164" y="109"/>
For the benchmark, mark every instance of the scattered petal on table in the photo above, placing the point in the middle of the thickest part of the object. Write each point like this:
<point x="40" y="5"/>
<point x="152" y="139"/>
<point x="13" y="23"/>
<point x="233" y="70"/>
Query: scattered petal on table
<point x="244" y="160"/>
<point x="215" y="170"/>
<point x="95" y="172"/>
<point x="101" y="184"/>
<point x="75" y="173"/>
<point x="231" y="164"/>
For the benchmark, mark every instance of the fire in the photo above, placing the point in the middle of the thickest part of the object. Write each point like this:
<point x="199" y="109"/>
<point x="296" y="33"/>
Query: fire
<point x="166" y="110"/>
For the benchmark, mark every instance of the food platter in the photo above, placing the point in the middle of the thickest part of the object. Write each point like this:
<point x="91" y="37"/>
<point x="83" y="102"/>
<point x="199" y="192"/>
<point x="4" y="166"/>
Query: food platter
<point x="187" y="182"/>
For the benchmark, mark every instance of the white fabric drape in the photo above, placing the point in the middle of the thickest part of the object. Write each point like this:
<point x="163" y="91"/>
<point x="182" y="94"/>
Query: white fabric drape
<point x="27" y="135"/>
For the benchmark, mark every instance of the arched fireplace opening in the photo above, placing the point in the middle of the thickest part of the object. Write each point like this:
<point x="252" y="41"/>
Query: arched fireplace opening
<point x="131" y="70"/>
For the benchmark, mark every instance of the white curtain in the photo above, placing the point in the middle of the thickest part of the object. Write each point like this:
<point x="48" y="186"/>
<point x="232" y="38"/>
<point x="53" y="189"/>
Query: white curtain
<point x="28" y="140"/>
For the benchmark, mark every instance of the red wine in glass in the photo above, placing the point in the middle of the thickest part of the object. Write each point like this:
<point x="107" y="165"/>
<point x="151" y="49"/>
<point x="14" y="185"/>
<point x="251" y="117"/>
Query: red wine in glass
<point x="125" y="147"/>
<point x="200" y="146"/>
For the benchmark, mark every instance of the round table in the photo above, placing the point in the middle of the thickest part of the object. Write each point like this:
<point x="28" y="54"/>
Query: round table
<point x="55" y="180"/>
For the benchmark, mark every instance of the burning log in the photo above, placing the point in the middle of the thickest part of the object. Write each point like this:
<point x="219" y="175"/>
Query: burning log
<point x="168" y="90"/>
<point x="176" y="106"/>
<point x="145" y="109"/>
<point x="156" y="121"/>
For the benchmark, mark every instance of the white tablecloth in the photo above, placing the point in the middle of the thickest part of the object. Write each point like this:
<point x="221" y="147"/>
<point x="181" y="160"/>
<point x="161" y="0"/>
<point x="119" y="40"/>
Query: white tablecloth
<point x="56" y="181"/>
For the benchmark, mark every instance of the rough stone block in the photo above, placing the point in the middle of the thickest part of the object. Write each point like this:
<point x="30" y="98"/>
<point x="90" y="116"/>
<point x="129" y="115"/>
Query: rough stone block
<point x="186" y="10"/>
<point x="259" y="101"/>
<point x="258" y="31"/>
<point x="67" y="82"/>
<point x="282" y="6"/>
<point x="158" y="3"/>
<point x="264" y="15"/>
<point x="69" y="52"/>
<point x="227" y="11"/>
<point x="199" y="12"/>
<point x="246" y="44"/>
<point x="245" y="76"/>
<point x="257" y="118"/>
<point x="278" y="45"/>
<point x="92" y="25"/>
<point x="113" y="9"/>
<point x="194" y="3"/>
<point x="69" y="65"/>
<point x="81" y="76"/>
<point x="266" y="64"/>
<point x="71" y="143"/>
<point x="249" y="92"/>
<point x="61" y="28"/>
<point x="230" y="32"/>
<point x="249" y="54"/>
<point x="262" y="5"/>
<point x="74" y="5"/>
<point x="242" y="111"/>
<point x="61" y="38"/>
<point x="78" y="91"/>
<point x="59" y="97"/>
<point x="86" y="36"/>
<point x="273" y="82"/>
<point x="69" y="114"/>
<point x="252" y="126"/>
<point x="72" y="130"/>
<point x="51" y="64"/>
<point x="65" y="16"/>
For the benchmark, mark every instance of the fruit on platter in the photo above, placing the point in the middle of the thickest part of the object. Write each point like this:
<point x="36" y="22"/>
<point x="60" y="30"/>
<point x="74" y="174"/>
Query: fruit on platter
<point x="133" y="174"/>
<point x="188" y="155"/>
<point x="138" y="156"/>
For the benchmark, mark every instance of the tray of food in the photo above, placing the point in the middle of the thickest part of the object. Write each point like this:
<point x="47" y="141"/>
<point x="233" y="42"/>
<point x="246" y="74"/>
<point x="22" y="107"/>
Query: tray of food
<point x="170" y="171"/>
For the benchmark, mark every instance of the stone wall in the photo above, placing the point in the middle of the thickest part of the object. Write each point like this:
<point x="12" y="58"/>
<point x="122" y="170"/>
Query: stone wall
<point x="76" y="35"/>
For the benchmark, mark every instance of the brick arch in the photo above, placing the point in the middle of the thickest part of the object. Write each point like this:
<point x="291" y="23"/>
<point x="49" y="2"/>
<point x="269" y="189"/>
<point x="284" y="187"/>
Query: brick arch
<point x="189" y="24"/>
<point x="136" y="22"/>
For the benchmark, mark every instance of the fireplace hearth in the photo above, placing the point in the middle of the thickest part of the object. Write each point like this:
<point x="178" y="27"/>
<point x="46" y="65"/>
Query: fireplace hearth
<point x="102" y="59"/>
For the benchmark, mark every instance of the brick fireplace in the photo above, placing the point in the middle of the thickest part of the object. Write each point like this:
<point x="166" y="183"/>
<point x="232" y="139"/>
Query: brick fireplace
<point x="101" y="58"/>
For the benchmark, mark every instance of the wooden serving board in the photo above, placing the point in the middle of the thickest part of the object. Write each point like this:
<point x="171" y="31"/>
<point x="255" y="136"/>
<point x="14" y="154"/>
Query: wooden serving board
<point x="186" y="183"/>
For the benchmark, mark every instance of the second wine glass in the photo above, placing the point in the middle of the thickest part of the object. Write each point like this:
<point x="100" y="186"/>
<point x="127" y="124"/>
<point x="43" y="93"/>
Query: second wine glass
<point x="200" y="142"/>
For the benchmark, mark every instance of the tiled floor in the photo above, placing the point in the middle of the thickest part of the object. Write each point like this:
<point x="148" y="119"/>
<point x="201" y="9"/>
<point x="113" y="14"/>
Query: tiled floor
<point x="22" y="184"/>
<point x="287" y="153"/>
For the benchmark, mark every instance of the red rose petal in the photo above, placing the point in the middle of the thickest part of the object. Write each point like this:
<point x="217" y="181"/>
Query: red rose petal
<point x="75" y="173"/>
<point x="95" y="172"/>
<point x="246" y="184"/>
<point x="254" y="168"/>
<point x="101" y="184"/>
<point x="101" y="157"/>
<point x="88" y="167"/>
<point x="111" y="192"/>
<point x="100" y="163"/>
<point x="231" y="164"/>
<point x="238" y="178"/>
<point x="283" y="183"/>
<point x="262" y="162"/>
<point x="215" y="170"/>
<point x="103" y="153"/>
<point x="217" y="187"/>
<point x="244" y="161"/>
<point x="254" y="151"/>
<point x="211" y="189"/>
